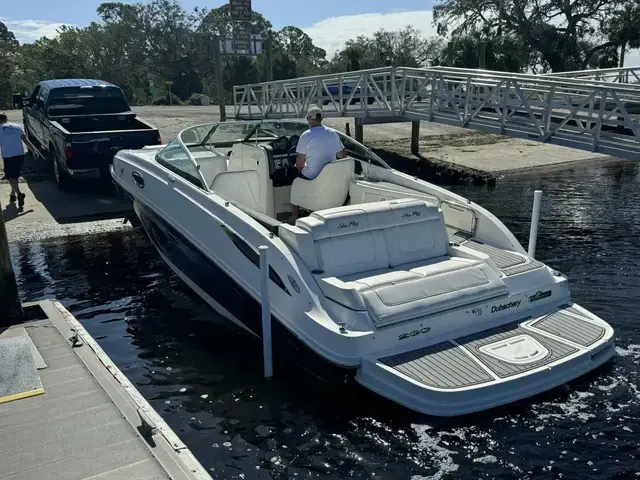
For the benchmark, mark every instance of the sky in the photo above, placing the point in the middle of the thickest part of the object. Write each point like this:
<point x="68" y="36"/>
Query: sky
<point x="329" y="22"/>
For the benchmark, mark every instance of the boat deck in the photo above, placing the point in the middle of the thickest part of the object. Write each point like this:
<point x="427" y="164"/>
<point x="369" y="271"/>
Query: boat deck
<point x="500" y="353"/>
<point x="86" y="423"/>
<point x="510" y="263"/>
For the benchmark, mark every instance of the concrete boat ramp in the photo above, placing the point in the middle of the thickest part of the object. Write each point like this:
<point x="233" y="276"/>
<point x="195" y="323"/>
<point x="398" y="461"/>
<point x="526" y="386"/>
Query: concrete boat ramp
<point x="68" y="413"/>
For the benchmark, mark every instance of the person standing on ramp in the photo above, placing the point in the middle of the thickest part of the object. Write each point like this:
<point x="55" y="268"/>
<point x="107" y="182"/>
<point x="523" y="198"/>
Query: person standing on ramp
<point x="12" y="151"/>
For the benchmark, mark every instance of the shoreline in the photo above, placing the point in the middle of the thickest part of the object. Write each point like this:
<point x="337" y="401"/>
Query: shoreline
<point x="448" y="155"/>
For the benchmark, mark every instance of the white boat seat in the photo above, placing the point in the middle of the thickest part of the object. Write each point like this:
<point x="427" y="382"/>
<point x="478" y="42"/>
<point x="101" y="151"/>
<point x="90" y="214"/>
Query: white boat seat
<point x="390" y="258"/>
<point x="463" y="282"/>
<point x="240" y="186"/>
<point x="328" y="190"/>
<point x="211" y="164"/>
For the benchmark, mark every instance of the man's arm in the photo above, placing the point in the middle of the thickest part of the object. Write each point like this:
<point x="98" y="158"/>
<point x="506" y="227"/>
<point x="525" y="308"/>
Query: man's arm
<point x="301" y="150"/>
<point x="302" y="159"/>
<point x="22" y="135"/>
<point x="341" y="152"/>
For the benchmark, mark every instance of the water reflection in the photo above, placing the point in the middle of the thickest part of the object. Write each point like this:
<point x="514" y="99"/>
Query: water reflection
<point x="205" y="377"/>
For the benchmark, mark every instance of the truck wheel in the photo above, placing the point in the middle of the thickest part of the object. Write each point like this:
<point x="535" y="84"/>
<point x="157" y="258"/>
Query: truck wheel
<point x="62" y="178"/>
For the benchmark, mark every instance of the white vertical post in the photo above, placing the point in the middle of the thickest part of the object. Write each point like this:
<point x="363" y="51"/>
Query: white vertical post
<point x="266" y="311"/>
<point x="535" y="217"/>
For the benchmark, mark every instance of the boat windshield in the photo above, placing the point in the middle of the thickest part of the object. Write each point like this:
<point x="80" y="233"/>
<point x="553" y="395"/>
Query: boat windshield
<point x="211" y="136"/>
<point x="360" y="152"/>
<point x="275" y="129"/>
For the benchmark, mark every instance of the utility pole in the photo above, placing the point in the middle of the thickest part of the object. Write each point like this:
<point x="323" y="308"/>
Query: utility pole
<point x="450" y="54"/>
<point x="268" y="51"/>
<point x="217" y="55"/>
<point x="169" y="83"/>
<point x="10" y="306"/>
<point x="482" y="55"/>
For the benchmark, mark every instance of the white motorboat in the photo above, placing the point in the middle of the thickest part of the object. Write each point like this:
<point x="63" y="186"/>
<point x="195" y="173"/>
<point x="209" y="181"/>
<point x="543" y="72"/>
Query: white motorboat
<point x="425" y="297"/>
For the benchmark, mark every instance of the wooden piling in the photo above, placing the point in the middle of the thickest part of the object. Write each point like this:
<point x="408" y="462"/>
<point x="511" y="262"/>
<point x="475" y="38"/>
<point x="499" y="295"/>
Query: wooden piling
<point x="359" y="131"/>
<point x="415" y="138"/>
<point x="10" y="306"/>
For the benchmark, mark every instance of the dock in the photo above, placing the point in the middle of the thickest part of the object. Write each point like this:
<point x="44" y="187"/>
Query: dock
<point x="78" y="417"/>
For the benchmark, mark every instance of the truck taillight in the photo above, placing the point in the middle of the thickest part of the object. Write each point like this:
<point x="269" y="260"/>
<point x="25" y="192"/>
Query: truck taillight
<point x="67" y="150"/>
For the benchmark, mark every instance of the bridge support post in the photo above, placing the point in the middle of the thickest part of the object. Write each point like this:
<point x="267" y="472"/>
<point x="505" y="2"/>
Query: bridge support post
<point x="359" y="130"/>
<point x="10" y="306"/>
<point x="415" y="138"/>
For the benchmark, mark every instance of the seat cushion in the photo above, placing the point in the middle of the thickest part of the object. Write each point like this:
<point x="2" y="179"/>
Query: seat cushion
<point x="347" y="290"/>
<point x="410" y="291"/>
<point x="417" y="232"/>
<point x="345" y="242"/>
<point x="347" y="254"/>
<point x="449" y="285"/>
<point x="360" y="238"/>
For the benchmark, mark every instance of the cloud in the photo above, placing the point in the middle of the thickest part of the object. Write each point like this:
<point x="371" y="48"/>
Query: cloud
<point x="332" y="33"/>
<point x="27" y="31"/>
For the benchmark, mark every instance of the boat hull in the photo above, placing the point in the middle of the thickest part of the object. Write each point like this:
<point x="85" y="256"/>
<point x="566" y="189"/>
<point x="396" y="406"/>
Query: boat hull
<point x="225" y="296"/>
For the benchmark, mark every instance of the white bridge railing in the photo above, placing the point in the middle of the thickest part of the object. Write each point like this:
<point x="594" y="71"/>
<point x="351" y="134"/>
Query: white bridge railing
<point x="630" y="75"/>
<point x="582" y="113"/>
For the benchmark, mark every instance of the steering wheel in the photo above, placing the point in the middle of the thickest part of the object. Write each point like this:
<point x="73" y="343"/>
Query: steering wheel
<point x="280" y="144"/>
<point x="285" y="173"/>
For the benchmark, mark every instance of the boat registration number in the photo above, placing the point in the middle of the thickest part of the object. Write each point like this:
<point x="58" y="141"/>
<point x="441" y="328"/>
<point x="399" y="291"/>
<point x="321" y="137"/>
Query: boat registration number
<point x="414" y="333"/>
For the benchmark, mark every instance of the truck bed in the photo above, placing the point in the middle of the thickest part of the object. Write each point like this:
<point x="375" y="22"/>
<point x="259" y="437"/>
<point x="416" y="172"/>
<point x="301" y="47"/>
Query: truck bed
<point x="102" y="123"/>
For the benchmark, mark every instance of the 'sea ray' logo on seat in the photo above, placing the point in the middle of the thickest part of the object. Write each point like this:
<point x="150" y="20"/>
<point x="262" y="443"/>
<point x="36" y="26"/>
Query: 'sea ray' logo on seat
<point x="505" y="306"/>
<point x="352" y="223"/>
<point x="415" y="213"/>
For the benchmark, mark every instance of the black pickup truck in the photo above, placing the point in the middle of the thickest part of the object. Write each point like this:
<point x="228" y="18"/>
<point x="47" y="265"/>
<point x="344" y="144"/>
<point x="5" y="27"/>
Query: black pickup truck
<point x="79" y="125"/>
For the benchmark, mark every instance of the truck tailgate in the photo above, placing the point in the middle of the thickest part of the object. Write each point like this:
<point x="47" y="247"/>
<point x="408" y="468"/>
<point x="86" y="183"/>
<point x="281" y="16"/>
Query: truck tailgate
<point x="97" y="149"/>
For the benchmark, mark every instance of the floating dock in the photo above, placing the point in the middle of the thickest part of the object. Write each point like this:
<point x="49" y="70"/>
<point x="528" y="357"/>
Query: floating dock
<point x="68" y="413"/>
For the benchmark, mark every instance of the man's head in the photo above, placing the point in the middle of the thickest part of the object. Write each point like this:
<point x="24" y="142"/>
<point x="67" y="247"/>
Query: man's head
<point x="314" y="117"/>
<point x="3" y="118"/>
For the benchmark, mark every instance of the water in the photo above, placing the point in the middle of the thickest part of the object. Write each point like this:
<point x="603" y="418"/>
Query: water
<point x="205" y="378"/>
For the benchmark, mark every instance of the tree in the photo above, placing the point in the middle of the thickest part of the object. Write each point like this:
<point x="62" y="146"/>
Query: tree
<point x="561" y="34"/>
<point x="8" y="48"/>
<point x="404" y="47"/>
<point x="298" y="48"/>
<point x="503" y="53"/>
<point x="623" y="28"/>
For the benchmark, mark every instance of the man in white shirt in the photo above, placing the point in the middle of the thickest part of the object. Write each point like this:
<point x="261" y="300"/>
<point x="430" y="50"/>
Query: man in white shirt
<point x="12" y="151"/>
<point x="317" y="146"/>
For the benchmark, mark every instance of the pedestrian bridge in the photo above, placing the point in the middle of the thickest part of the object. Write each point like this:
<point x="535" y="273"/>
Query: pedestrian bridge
<point x="594" y="110"/>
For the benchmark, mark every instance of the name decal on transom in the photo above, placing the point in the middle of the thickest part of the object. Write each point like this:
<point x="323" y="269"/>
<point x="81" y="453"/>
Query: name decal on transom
<point x="505" y="306"/>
